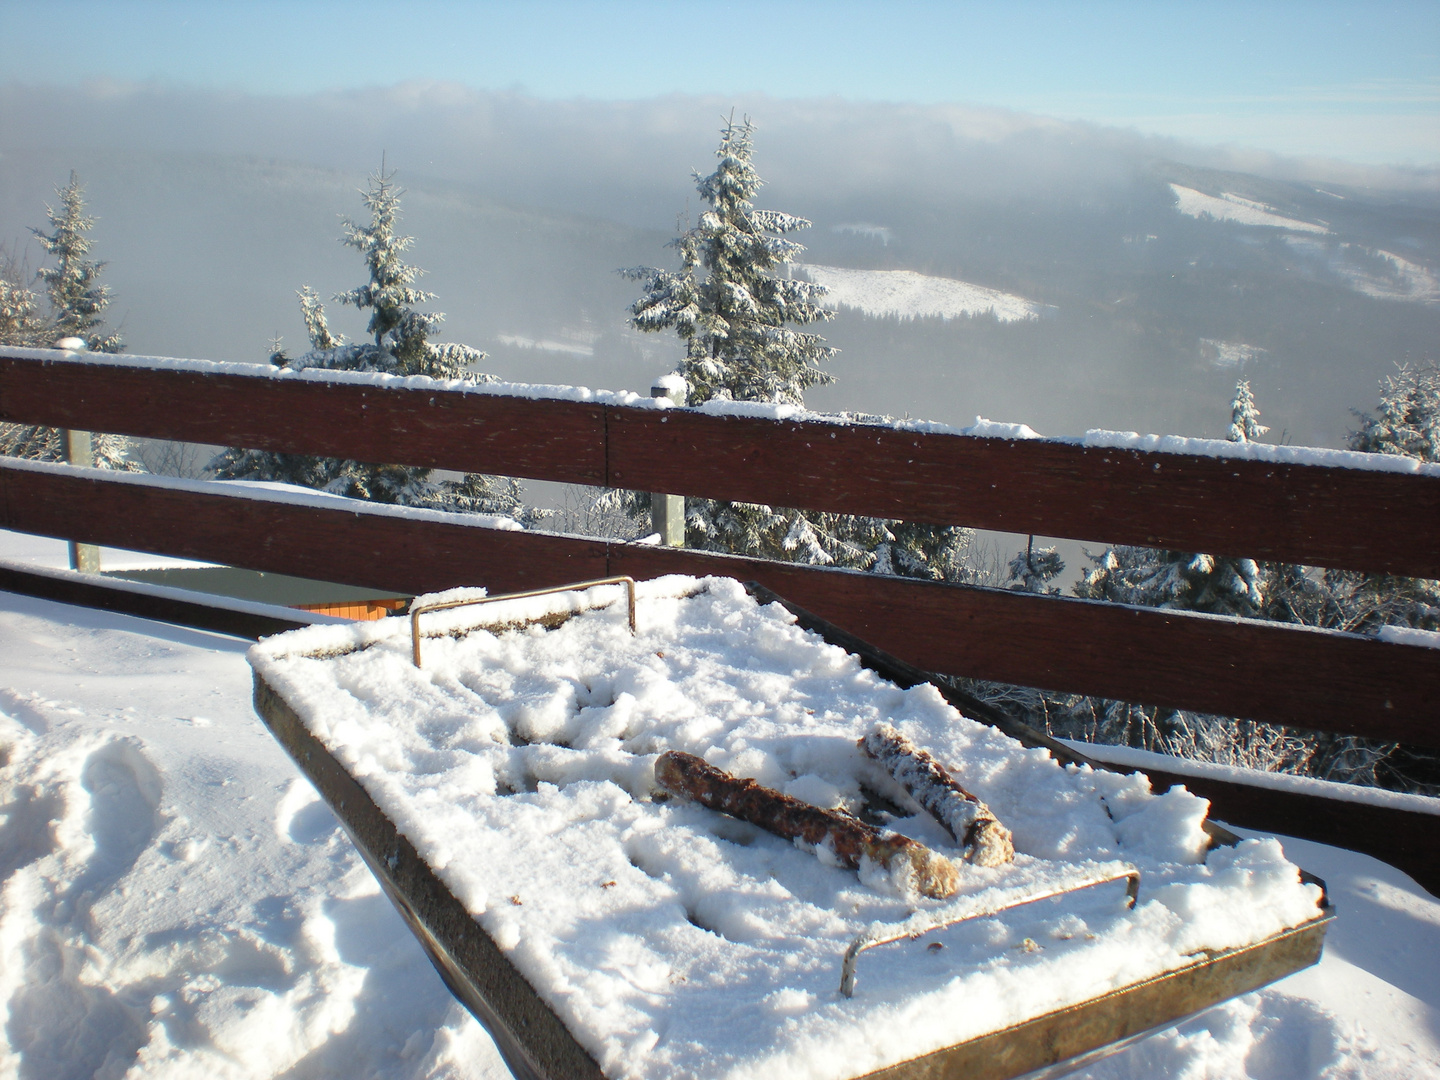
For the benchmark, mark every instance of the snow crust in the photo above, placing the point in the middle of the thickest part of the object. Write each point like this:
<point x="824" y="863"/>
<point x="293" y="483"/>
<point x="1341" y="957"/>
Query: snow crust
<point x="906" y="294"/>
<point x="229" y="930"/>
<point x="1404" y="635"/>
<point x="1254" y="451"/>
<point x="351" y="378"/>
<point x="674" y="941"/>
<point x="1133" y="757"/>
<point x="1236" y="208"/>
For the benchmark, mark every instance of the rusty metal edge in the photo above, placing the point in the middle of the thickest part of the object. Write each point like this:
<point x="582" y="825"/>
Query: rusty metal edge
<point x="1104" y="1025"/>
<point x="534" y="1042"/>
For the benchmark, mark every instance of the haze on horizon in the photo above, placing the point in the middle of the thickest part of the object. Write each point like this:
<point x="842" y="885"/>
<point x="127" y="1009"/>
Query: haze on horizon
<point x="1333" y="79"/>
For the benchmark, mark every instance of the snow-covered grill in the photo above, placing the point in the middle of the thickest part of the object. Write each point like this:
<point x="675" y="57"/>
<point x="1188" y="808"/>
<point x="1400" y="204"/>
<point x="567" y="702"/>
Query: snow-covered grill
<point x="506" y="796"/>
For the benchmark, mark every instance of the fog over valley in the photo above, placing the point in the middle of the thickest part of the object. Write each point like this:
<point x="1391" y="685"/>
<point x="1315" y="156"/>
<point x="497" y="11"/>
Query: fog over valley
<point x="981" y="262"/>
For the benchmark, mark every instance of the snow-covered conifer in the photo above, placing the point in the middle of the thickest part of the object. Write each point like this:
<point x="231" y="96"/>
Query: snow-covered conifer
<point x="1033" y="569"/>
<point x="400" y="346"/>
<point x="77" y="299"/>
<point x="390" y="295"/>
<point x="1407" y="420"/>
<point x="1218" y="584"/>
<point x="1245" y="423"/>
<point x="739" y="320"/>
<point x="735" y="315"/>
<point x="1175" y="579"/>
<point x="313" y="312"/>
<point x="21" y="321"/>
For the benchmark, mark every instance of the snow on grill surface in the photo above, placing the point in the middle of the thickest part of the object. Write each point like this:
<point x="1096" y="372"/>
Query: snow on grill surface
<point x="674" y="941"/>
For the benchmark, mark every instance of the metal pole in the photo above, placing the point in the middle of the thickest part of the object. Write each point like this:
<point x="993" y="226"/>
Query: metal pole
<point x="667" y="512"/>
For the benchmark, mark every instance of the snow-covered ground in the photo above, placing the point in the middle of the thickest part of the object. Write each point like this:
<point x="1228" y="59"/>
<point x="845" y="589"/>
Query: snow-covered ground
<point x="905" y="294"/>
<point x="1230" y="207"/>
<point x="176" y="902"/>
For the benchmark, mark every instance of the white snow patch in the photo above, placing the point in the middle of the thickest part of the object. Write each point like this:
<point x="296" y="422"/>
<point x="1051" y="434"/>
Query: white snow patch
<point x="573" y="348"/>
<point x="1404" y="635"/>
<point x="1229" y="354"/>
<point x="994" y="429"/>
<point x="1229" y="207"/>
<point x="1132" y="757"/>
<point x="1254" y="451"/>
<point x="174" y="903"/>
<point x="1405" y="280"/>
<point x="906" y="294"/>
<point x="1373" y="272"/>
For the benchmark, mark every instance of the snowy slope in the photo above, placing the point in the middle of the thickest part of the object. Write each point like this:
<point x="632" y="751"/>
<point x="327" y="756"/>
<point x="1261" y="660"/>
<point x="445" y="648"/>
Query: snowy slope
<point x="174" y="902"/>
<point x="905" y="294"/>
<point x="1236" y="208"/>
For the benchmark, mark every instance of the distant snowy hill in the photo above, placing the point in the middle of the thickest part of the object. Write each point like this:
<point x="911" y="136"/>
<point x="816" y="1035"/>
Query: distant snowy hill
<point x="1230" y="207"/>
<point x="906" y="294"/>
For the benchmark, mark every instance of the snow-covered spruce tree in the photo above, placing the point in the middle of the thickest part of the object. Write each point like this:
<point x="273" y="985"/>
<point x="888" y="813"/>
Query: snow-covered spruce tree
<point x="1168" y="579"/>
<point x="77" y="301"/>
<point x="400" y="345"/>
<point x="1033" y="569"/>
<point x="739" y="320"/>
<point x="21" y="321"/>
<point x="1406" y="422"/>
<point x="1245" y="423"/>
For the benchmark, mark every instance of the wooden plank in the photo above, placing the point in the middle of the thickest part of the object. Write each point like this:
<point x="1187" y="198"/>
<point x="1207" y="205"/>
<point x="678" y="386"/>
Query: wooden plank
<point x="1263" y="671"/>
<point x="1293" y="513"/>
<point x="215" y="616"/>
<point x="370" y="546"/>
<point x="468" y="432"/>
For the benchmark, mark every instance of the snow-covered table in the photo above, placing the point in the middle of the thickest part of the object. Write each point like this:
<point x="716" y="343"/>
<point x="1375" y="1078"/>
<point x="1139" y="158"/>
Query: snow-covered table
<point x="504" y="793"/>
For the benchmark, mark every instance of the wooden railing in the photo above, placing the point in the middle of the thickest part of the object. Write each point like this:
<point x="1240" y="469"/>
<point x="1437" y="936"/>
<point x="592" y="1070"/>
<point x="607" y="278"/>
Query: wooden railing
<point x="1303" y="513"/>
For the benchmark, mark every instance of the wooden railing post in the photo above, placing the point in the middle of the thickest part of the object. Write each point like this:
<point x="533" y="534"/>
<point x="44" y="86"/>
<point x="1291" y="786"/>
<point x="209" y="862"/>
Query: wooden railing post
<point x="667" y="512"/>
<point x="80" y="450"/>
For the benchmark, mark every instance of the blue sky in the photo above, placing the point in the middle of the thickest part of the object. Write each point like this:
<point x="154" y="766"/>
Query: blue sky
<point x="1359" y="82"/>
